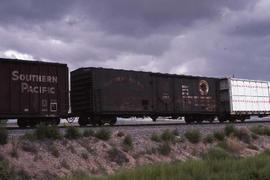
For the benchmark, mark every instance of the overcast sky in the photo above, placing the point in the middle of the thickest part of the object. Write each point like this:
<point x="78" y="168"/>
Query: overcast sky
<point x="197" y="37"/>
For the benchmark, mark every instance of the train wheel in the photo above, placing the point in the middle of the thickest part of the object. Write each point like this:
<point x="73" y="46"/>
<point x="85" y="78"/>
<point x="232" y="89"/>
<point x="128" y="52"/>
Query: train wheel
<point x="22" y="123"/>
<point x="199" y="121"/>
<point x="188" y="119"/>
<point x="113" y="121"/>
<point x="221" y="119"/>
<point x="83" y="121"/>
<point x="33" y="123"/>
<point x="211" y="119"/>
<point x="56" y="121"/>
<point x="242" y="119"/>
<point x="100" y="122"/>
<point x="154" y="118"/>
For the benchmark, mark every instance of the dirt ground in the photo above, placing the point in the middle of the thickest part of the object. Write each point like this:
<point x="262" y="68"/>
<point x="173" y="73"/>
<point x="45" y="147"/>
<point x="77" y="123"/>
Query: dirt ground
<point x="51" y="158"/>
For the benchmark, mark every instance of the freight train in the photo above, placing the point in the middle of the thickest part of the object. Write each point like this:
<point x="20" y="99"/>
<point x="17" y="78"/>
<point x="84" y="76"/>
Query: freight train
<point x="36" y="92"/>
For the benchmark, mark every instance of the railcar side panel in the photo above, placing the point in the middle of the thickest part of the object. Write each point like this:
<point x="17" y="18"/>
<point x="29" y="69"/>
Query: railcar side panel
<point x="33" y="89"/>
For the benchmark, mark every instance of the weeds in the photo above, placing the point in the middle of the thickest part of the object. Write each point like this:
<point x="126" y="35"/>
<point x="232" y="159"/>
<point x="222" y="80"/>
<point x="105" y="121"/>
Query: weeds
<point x="219" y="135"/>
<point x="243" y="135"/>
<point x="155" y="137"/>
<point x="103" y="134"/>
<point x="167" y="136"/>
<point x="128" y="142"/>
<point x="209" y="139"/>
<point x="193" y="136"/>
<point x="4" y="170"/>
<point x="175" y="132"/>
<point x="88" y="133"/>
<point x="72" y="133"/>
<point x="216" y="154"/>
<point x="3" y="136"/>
<point x="28" y="146"/>
<point x="47" y="132"/>
<point x="230" y="130"/>
<point x="164" y="149"/>
<point x="260" y="130"/>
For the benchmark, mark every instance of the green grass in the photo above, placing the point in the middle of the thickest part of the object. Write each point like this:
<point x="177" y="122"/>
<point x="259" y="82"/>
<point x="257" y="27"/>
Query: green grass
<point x="217" y="165"/>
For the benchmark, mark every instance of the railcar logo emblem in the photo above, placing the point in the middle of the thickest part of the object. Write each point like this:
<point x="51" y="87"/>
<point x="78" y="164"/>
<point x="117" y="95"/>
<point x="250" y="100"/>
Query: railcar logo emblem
<point x="203" y="87"/>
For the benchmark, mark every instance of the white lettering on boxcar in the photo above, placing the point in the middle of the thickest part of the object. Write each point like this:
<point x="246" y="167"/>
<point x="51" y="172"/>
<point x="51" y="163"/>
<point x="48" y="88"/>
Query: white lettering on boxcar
<point x="28" y="82"/>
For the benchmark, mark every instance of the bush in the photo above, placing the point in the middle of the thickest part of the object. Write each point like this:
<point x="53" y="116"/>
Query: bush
<point x="88" y="133"/>
<point x="127" y="142"/>
<point x="164" y="149"/>
<point x="230" y="130"/>
<point x="194" y="136"/>
<point x="155" y="137"/>
<point x="28" y="146"/>
<point x="29" y="136"/>
<point x="103" y="134"/>
<point x="209" y="139"/>
<point x="261" y="130"/>
<point x="47" y="132"/>
<point x="3" y="136"/>
<point x="168" y="136"/>
<point x="243" y="135"/>
<point x="72" y="133"/>
<point x="219" y="135"/>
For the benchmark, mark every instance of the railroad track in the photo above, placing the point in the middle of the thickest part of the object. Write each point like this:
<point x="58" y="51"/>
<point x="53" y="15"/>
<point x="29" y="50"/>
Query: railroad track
<point x="151" y="124"/>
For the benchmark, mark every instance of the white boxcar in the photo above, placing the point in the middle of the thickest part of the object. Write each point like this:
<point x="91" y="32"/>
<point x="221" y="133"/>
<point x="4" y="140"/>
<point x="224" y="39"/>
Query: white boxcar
<point x="241" y="96"/>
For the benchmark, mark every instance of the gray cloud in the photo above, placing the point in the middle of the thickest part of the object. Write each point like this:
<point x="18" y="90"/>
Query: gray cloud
<point x="213" y="38"/>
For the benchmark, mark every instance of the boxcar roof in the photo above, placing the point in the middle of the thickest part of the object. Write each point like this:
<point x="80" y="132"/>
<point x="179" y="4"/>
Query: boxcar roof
<point x="155" y="73"/>
<point x="7" y="60"/>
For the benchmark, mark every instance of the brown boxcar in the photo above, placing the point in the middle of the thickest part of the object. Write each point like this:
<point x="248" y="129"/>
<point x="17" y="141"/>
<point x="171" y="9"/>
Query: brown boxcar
<point x="33" y="91"/>
<point x="99" y="95"/>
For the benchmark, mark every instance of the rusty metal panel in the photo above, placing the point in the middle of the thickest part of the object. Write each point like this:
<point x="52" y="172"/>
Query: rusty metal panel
<point x="122" y="91"/>
<point x="98" y="90"/>
<point x="33" y="89"/>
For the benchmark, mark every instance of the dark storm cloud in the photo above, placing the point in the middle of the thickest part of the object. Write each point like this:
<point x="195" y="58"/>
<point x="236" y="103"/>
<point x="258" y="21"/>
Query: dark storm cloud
<point x="35" y="11"/>
<point x="140" y="17"/>
<point x="253" y="28"/>
<point x="207" y="37"/>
